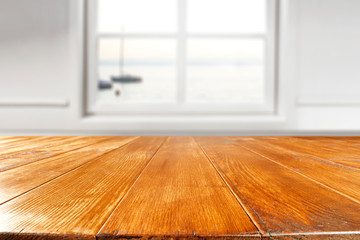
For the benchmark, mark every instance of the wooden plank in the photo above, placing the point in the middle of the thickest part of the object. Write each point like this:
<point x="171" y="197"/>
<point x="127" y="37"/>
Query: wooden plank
<point x="80" y="201"/>
<point x="354" y="163"/>
<point x="41" y="236"/>
<point x="16" y="181"/>
<point x="317" y="236"/>
<point x="179" y="194"/>
<point x="353" y="141"/>
<point x="345" y="155"/>
<point x="26" y="143"/>
<point x="9" y="140"/>
<point x="33" y="145"/>
<point x="348" y="145"/>
<point x="43" y="150"/>
<point x="335" y="150"/>
<point x="341" y="179"/>
<point x="16" y="142"/>
<point x="280" y="200"/>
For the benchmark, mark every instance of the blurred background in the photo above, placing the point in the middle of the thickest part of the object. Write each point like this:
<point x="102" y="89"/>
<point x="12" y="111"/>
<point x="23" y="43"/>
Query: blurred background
<point x="180" y="67"/>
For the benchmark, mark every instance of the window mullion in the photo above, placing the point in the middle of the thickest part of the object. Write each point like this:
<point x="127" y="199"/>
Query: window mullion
<point x="137" y="35"/>
<point x="181" y="52"/>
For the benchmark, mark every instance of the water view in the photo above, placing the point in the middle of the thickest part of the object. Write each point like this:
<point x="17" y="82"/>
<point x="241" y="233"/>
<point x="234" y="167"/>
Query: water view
<point x="216" y="71"/>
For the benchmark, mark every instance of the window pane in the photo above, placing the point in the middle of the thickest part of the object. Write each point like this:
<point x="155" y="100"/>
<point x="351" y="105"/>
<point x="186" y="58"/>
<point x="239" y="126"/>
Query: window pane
<point x="136" y="16"/>
<point x="226" y="16"/>
<point x="146" y="74"/>
<point x="225" y="70"/>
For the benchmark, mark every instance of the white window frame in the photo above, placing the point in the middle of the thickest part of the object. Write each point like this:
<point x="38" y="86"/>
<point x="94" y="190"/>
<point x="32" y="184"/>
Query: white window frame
<point x="181" y="107"/>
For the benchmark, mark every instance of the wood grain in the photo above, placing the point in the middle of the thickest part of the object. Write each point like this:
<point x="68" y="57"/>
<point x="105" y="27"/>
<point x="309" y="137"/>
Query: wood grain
<point x="280" y="200"/>
<point x="42" y="149"/>
<point x="26" y="143"/>
<point x="42" y="236"/>
<point x="348" y="145"/>
<point x="316" y="236"/>
<point x="179" y="194"/>
<point x="97" y="188"/>
<point x="80" y="201"/>
<point x="9" y="140"/>
<point x="341" y="179"/>
<point x="332" y="141"/>
<point x="344" y="154"/>
<point x="9" y="144"/>
<point x="22" y="179"/>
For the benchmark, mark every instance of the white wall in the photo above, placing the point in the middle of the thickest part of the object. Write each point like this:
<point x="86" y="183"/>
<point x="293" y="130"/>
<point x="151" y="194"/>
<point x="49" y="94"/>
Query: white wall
<point x="328" y="74"/>
<point x="37" y="81"/>
<point x="41" y="82"/>
<point x="34" y="49"/>
<point x="329" y="50"/>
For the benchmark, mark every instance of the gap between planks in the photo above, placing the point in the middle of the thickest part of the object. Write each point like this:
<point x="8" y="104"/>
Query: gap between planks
<point x="87" y="228"/>
<point x="169" y="206"/>
<point x="57" y="154"/>
<point x="218" y="157"/>
<point x="306" y="148"/>
<point x="307" y="177"/>
<point x="132" y="185"/>
<point x="238" y="199"/>
<point x="71" y="170"/>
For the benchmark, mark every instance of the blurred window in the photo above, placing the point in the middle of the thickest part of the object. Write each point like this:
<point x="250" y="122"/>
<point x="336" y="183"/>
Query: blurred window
<point x="181" y="56"/>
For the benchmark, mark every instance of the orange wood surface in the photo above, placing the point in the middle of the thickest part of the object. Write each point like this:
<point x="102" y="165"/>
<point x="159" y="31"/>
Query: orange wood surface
<point x="341" y="152"/>
<point x="179" y="187"/>
<point x="17" y="181"/>
<point x="187" y="197"/>
<point x="38" y="149"/>
<point x="80" y="201"/>
<point x="339" y="178"/>
<point x="279" y="199"/>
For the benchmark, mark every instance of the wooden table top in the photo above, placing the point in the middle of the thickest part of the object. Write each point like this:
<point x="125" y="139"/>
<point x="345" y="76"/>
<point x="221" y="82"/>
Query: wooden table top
<point x="180" y="187"/>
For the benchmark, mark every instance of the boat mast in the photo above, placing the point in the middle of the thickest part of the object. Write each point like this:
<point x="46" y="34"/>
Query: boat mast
<point x="122" y="48"/>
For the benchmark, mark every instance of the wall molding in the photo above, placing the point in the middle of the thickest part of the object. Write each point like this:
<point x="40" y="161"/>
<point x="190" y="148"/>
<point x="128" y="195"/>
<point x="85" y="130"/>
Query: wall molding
<point x="34" y="103"/>
<point x="68" y="132"/>
<point x="324" y="102"/>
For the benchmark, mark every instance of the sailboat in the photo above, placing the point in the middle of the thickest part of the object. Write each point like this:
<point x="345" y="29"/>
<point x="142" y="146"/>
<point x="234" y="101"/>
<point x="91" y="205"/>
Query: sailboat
<point x="103" y="84"/>
<point x="124" y="78"/>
